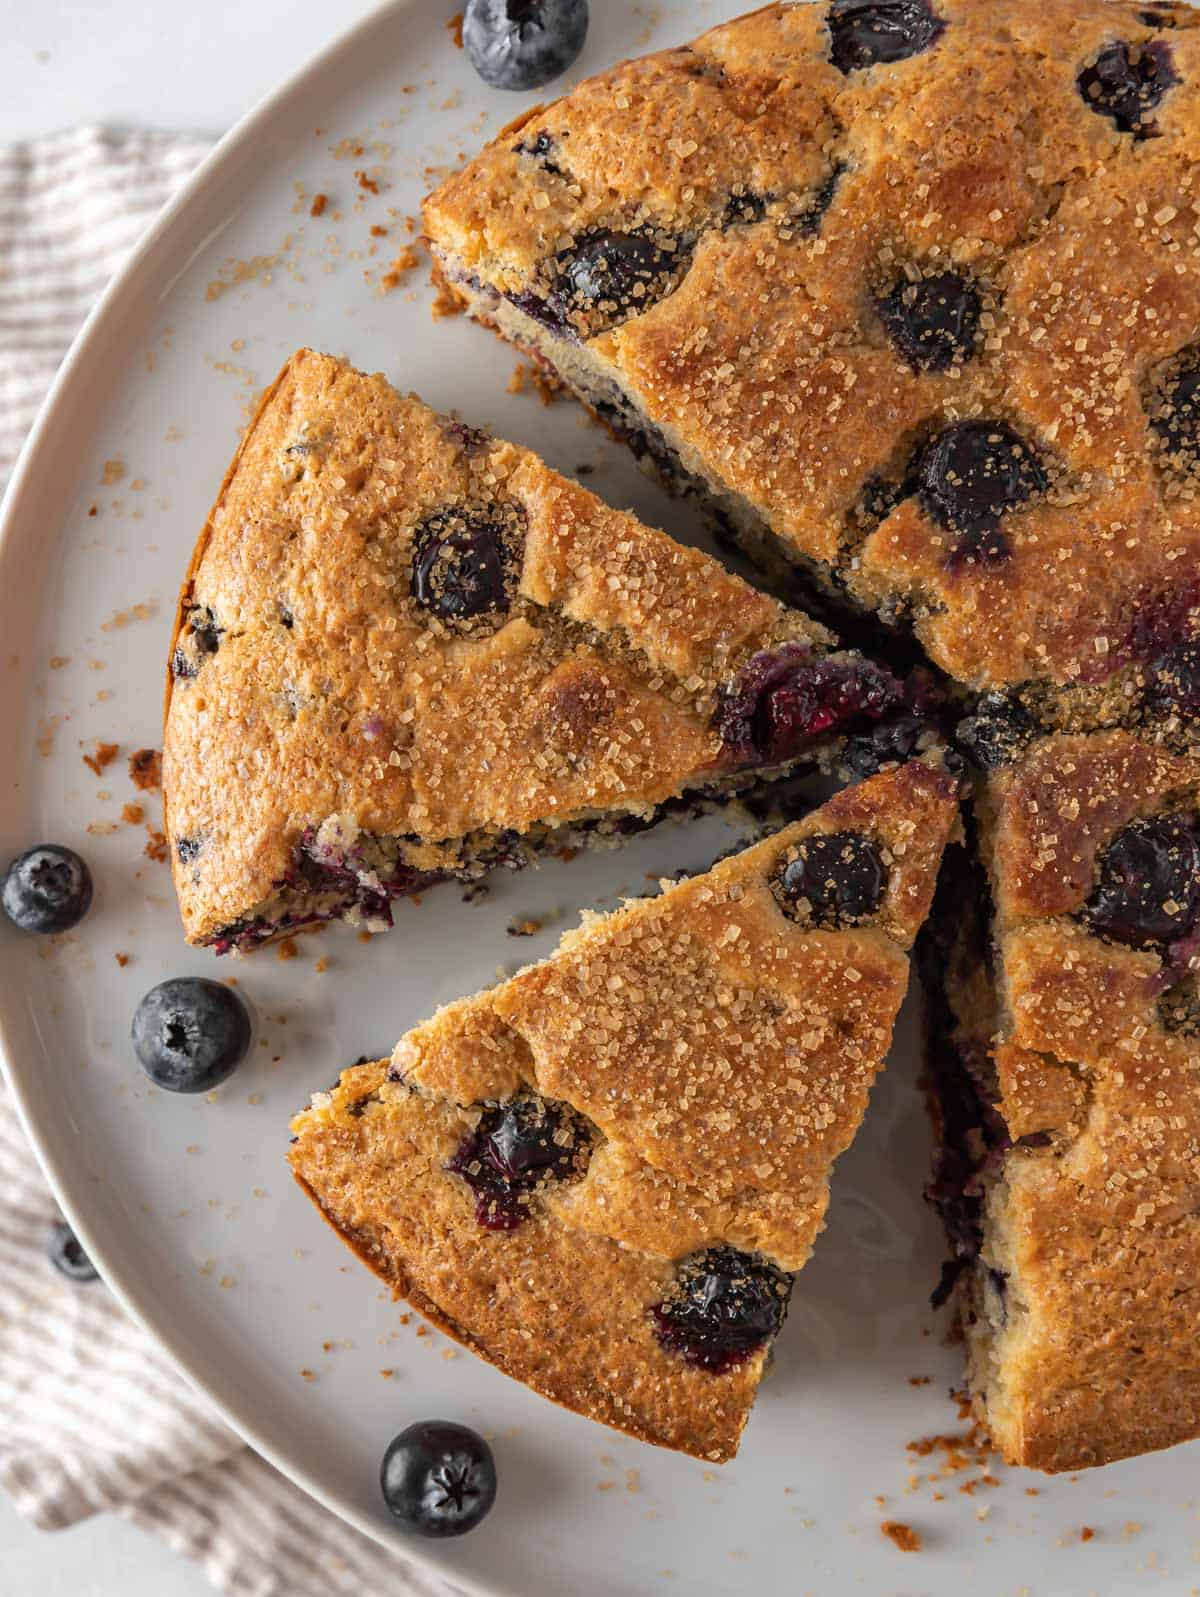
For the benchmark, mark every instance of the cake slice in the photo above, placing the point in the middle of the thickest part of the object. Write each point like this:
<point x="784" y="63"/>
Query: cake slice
<point x="907" y="292"/>
<point x="406" y="651"/>
<point x="603" y="1174"/>
<point x="1064" y="1069"/>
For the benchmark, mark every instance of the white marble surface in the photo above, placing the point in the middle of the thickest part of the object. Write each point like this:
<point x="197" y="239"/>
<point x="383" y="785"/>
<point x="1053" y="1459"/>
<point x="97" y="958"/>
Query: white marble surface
<point x="169" y="64"/>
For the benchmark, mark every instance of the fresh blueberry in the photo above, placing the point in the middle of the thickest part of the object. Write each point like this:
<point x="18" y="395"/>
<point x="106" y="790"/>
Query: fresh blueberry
<point x="998" y="731"/>
<point x="1175" y="413"/>
<point x="832" y="879"/>
<point x="190" y="1034"/>
<point x="1126" y="82"/>
<point x="47" y="889"/>
<point x="934" y="322"/>
<point x="514" y="1148"/>
<point x="66" y="1254"/>
<point x="1173" y="685"/>
<point x="1148" y="890"/>
<point x="438" y="1478"/>
<point x="463" y="563"/>
<point x="970" y="475"/>
<point x="869" y="31"/>
<point x="726" y="1306"/>
<point x="522" y="44"/>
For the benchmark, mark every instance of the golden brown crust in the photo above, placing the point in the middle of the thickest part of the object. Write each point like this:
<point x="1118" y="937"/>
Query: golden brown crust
<point x="721" y="1050"/>
<point x="768" y="367"/>
<point x="1096" y="1230"/>
<point x="309" y="686"/>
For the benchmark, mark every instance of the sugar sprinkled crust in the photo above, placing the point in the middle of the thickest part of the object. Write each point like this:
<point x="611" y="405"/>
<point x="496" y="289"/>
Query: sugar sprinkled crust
<point x="321" y="725"/>
<point x="1079" y="1311"/>
<point x="720" y="1051"/>
<point x="791" y="204"/>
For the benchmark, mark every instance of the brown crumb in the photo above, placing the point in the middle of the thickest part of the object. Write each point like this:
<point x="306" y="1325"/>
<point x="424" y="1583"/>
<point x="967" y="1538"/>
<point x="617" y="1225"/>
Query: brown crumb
<point x="446" y="302"/>
<point x="919" y="1380"/>
<point x="132" y="814"/>
<point x="308" y="1375"/>
<point x="519" y="379"/>
<point x="566" y="855"/>
<point x="387" y="1374"/>
<point x="321" y="966"/>
<point x="407" y="261"/>
<point x="1086" y="1533"/>
<point x="93" y="510"/>
<point x="105" y="754"/>
<point x="287" y="949"/>
<point x="364" y="937"/>
<point x="378" y="231"/>
<point x="523" y="928"/>
<point x="319" y="202"/>
<point x="904" y="1536"/>
<point x="1033" y="1491"/>
<point x="156" y="846"/>
<point x="422" y="1330"/>
<point x="145" y="769"/>
<point x="122" y="960"/>
<point x="114" y="470"/>
<point x="454" y="28"/>
<point x="366" y="183"/>
<point x="57" y="661"/>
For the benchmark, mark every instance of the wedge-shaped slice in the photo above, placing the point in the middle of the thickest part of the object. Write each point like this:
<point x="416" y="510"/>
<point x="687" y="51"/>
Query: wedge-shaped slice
<point x="406" y="651"/>
<point x="1066" y="1077"/>
<point x="602" y="1174"/>
<point x="908" y="292"/>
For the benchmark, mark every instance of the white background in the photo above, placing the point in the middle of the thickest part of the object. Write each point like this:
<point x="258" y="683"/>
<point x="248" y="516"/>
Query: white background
<point x="168" y="64"/>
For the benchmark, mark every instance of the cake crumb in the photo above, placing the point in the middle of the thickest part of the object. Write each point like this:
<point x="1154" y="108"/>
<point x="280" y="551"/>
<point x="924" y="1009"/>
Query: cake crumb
<point x="366" y="182"/>
<point x="287" y="949"/>
<point x="57" y="661"/>
<point x="132" y="814"/>
<point x="446" y="302"/>
<point x="114" y="470"/>
<point x="525" y="927"/>
<point x="904" y="1536"/>
<point x="105" y="754"/>
<point x="407" y="261"/>
<point x="122" y="960"/>
<point x="919" y="1380"/>
<point x="1087" y="1533"/>
<point x="321" y="966"/>
<point x="454" y="28"/>
<point x="387" y="1374"/>
<point x="156" y="846"/>
<point x="319" y="202"/>
<point x="145" y="769"/>
<point x="308" y="1375"/>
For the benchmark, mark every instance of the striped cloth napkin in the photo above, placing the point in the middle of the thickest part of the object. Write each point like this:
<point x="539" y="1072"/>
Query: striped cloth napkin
<point x="93" y="1417"/>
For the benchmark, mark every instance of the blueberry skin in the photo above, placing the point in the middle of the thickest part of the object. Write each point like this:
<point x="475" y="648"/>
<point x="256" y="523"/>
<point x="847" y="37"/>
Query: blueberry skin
<point x="47" y="889"/>
<point x="190" y="1034"/>
<point x="522" y="44"/>
<point x="66" y="1254"/>
<point x="438" y="1479"/>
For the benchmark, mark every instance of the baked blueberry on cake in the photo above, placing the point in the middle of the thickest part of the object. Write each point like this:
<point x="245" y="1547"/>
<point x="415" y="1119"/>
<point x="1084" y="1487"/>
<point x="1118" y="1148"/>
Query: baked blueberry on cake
<point x="407" y="652"/>
<point x="908" y="292"/>
<point x="1064" y="1069"/>
<point x="603" y="1174"/>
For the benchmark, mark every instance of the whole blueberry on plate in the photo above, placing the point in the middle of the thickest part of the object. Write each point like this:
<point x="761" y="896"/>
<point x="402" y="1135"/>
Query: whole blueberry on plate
<point x="190" y="1034"/>
<point x="522" y="44"/>
<point x="47" y="889"/>
<point x="65" y="1252"/>
<point x="438" y="1478"/>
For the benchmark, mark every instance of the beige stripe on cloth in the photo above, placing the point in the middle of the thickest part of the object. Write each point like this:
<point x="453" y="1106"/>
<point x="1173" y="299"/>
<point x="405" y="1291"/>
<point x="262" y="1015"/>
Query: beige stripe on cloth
<point x="93" y="1418"/>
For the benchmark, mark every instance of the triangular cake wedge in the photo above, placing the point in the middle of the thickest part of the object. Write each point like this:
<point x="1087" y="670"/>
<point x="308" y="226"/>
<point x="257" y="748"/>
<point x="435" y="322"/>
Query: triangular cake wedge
<point x="908" y="293"/>
<point x="1064" y="1070"/>
<point x="602" y="1174"/>
<point x="407" y="652"/>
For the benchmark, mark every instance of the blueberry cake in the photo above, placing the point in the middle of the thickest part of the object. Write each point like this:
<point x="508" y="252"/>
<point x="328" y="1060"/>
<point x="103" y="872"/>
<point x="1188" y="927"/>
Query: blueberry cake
<point x="603" y="1174"/>
<point x="1064" y="1058"/>
<point x="907" y="291"/>
<point x="406" y="651"/>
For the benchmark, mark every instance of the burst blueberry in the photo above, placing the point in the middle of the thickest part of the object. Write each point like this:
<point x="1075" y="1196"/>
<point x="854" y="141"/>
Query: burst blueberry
<point x="1173" y="682"/>
<point x="782" y="701"/>
<point x="868" y="32"/>
<point x="726" y="1306"/>
<point x="1126" y="82"/>
<point x="998" y="731"/>
<point x="831" y="879"/>
<point x="438" y="1479"/>
<point x="47" y="889"/>
<point x="970" y="476"/>
<point x="523" y="44"/>
<point x="190" y="1034"/>
<point x="934" y="322"/>
<point x="515" y="1147"/>
<point x="1148" y="891"/>
<point x="463" y="562"/>
<point x="608" y="276"/>
<point x="1175" y="411"/>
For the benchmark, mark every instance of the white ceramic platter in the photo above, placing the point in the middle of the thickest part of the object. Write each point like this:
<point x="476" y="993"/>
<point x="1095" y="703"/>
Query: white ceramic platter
<point x="187" y="1205"/>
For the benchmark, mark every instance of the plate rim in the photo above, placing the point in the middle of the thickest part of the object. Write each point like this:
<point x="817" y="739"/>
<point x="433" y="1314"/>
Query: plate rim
<point x="17" y="505"/>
